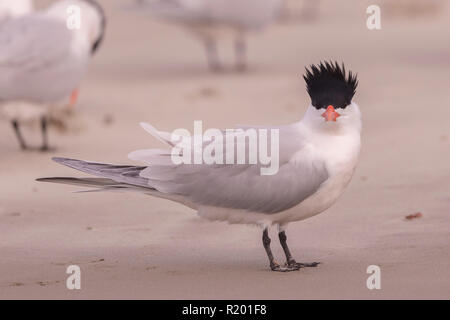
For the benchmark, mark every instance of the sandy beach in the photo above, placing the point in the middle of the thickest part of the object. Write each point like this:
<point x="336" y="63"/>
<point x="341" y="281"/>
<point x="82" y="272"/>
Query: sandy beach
<point x="131" y="246"/>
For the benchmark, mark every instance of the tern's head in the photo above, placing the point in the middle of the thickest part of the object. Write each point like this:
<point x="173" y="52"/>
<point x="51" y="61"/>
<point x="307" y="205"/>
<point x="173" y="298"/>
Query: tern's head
<point x="331" y="90"/>
<point x="98" y="25"/>
<point x="91" y="17"/>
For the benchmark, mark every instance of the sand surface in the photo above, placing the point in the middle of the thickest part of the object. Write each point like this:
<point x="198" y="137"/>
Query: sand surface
<point x="133" y="246"/>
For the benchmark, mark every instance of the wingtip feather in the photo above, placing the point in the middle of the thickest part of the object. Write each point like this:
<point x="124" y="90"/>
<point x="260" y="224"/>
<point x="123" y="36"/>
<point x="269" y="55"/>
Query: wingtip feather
<point x="149" y="128"/>
<point x="61" y="159"/>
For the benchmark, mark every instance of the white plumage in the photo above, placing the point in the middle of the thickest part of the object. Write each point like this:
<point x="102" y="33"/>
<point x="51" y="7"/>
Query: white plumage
<point x="14" y="8"/>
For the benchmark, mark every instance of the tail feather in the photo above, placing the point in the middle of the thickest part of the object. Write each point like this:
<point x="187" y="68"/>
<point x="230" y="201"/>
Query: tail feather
<point x="84" y="182"/>
<point x="100" y="184"/>
<point x="112" y="178"/>
<point x="115" y="173"/>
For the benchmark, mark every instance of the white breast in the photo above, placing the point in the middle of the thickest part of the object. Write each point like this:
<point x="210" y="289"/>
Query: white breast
<point x="340" y="154"/>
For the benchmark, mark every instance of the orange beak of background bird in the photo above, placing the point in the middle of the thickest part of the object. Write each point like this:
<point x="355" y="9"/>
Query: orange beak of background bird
<point x="330" y="114"/>
<point x="73" y="98"/>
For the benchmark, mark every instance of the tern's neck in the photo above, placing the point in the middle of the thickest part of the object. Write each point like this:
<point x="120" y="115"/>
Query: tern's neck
<point x="89" y="18"/>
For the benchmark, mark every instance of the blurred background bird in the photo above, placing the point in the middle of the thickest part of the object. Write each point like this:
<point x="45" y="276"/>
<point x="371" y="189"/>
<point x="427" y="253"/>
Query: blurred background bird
<point x="14" y="8"/>
<point x="211" y="20"/>
<point x="43" y="59"/>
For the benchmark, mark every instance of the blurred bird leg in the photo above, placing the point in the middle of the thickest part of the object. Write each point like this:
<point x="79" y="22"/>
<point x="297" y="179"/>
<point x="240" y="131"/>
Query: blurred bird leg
<point x="240" y="49"/>
<point x="19" y="136"/>
<point x="310" y="10"/>
<point x="212" y="55"/>
<point x="44" y="134"/>
<point x="73" y="98"/>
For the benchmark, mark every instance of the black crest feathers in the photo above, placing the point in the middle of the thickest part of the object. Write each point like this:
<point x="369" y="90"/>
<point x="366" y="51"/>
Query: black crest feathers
<point x="328" y="84"/>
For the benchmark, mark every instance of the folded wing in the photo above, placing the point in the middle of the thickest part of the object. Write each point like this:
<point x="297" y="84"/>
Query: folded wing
<point x="237" y="186"/>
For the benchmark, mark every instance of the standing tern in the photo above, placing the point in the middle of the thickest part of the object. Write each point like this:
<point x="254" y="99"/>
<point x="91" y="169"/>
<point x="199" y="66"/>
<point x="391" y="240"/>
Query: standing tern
<point x="211" y="19"/>
<point x="42" y="60"/>
<point x="317" y="158"/>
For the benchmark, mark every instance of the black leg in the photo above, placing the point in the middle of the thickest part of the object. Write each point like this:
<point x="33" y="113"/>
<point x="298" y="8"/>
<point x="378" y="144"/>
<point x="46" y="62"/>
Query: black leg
<point x="283" y="239"/>
<point x="289" y="260"/>
<point x="273" y="264"/>
<point x="266" y="243"/>
<point x="44" y="124"/>
<point x="240" y="49"/>
<point x="16" y="127"/>
<point x="212" y="55"/>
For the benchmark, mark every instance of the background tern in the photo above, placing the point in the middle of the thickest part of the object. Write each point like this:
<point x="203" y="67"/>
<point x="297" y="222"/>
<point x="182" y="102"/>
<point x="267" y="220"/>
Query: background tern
<point x="14" y="8"/>
<point x="317" y="158"/>
<point x="42" y="61"/>
<point x="211" y="19"/>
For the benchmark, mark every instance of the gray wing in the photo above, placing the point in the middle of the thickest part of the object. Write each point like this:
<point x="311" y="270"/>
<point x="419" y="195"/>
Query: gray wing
<point x="238" y="186"/>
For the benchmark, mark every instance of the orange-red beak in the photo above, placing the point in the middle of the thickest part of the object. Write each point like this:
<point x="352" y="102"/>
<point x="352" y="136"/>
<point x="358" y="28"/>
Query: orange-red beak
<point x="73" y="98"/>
<point x="330" y="114"/>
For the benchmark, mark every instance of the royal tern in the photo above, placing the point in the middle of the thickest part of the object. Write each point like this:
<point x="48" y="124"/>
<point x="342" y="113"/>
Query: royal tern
<point x="42" y="60"/>
<point x="317" y="158"/>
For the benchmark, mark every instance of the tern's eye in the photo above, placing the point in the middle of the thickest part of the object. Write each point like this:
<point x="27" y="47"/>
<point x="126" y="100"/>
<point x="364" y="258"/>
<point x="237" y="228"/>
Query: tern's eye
<point x="339" y="104"/>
